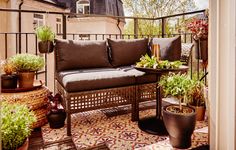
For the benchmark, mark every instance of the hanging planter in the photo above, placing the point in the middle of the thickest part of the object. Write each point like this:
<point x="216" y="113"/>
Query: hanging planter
<point x="46" y="35"/>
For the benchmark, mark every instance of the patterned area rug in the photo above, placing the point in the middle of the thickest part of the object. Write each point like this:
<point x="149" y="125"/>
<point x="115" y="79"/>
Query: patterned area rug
<point x="118" y="132"/>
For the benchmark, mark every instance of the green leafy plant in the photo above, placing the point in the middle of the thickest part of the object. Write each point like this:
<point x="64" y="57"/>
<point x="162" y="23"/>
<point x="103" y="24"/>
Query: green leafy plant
<point x="15" y="125"/>
<point x="27" y="62"/>
<point x="152" y="62"/>
<point x="177" y="85"/>
<point x="45" y="33"/>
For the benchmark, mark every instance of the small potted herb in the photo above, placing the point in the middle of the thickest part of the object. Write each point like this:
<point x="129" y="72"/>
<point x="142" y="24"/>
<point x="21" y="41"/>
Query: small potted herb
<point x="9" y="79"/>
<point x="46" y="35"/>
<point x="16" y="121"/>
<point x="56" y="115"/>
<point x="179" y="119"/>
<point x="26" y="66"/>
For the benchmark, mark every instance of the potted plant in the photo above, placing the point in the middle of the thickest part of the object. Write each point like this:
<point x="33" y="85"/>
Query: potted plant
<point x="26" y="65"/>
<point x="46" y="35"/>
<point x="16" y="121"/>
<point x="179" y="119"/>
<point x="56" y="115"/>
<point x="197" y="99"/>
<point x="9" y="79"/>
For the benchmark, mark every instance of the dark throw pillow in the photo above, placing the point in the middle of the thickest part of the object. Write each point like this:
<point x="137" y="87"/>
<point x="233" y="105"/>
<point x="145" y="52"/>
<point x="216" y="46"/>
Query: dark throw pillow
<point x="127" y="52"/>
<point x="71" y="54"/>
<point x="170" y="48"/>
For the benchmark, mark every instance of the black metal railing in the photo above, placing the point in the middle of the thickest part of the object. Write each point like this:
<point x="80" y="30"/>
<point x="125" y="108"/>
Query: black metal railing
<point x="15" y="42"/>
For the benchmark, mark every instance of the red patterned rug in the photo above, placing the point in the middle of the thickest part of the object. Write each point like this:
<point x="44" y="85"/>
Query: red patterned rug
<point x="118" y="132"/>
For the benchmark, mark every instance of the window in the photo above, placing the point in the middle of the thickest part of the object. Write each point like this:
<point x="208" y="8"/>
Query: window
<point x="38" y="20"/>
<point x="83" y="7"/>
<point x="58" y="25"/>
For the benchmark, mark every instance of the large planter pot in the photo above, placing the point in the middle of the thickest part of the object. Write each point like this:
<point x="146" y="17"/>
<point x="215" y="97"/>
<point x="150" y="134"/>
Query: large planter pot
<point x="25" y="145"/>
<point x="26" y="79"/>
<point x="179" y="126"/>
<point x="9" y="81"/>
<point x="56" y="119"/>
<point x="45" y="46"/>
<point x="201" y="49"/>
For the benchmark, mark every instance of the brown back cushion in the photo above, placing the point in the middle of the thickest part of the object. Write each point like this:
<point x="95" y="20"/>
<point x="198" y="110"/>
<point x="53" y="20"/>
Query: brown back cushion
<point x="71" y="54"/>
<point x="127" y="52"/>
<point x="170" y="48"/>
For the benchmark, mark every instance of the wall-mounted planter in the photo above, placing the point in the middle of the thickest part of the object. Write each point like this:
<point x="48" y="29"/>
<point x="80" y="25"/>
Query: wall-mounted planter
<point x="45" y="46"/>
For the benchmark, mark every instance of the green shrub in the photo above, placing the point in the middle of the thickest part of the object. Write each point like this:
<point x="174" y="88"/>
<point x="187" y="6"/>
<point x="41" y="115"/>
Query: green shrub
<point x="45" y="33"/>
<point x="15" y="125"/>
<point x="27" y="62"/>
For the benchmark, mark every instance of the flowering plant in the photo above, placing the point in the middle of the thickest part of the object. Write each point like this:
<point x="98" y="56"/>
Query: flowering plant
<point x="199" y="28"/>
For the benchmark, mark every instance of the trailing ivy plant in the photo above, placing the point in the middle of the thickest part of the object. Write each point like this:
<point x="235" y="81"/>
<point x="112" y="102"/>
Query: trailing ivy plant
<point x="27" y="62"/>
<point x="15" y="125"/>
<point x="45" y="33"/>
<point x="177" y="85"/>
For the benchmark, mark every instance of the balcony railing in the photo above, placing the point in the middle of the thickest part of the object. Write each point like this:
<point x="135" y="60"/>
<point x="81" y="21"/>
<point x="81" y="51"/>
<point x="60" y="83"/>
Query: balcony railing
<point x="25" y="42"/>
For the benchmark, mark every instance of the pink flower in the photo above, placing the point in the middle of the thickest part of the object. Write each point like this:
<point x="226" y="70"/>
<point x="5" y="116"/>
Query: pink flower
<point x="198" y="27"/>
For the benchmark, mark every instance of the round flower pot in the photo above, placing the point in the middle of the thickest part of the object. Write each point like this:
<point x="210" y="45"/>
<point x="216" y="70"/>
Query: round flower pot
<point x="200" y="112"/>
<point x="180" y="126"/>
<point x="201" y="49"/>
<point x="56" y="119"/>
<point x="26" y="79"/>
<point x="25" y="145"/>
<point x="9" y="81"/>
<point x="45" y="46"/>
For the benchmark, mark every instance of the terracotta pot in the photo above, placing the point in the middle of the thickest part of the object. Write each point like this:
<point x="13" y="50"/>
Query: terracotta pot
<point x="179" y="126"/>
<point x="25" y="145"/>
<point x="9" y="81"/>
<point x="200" y="112"/>
<point x="45" y="46"/>
<point x="201" y="49"/>
<point x="26" y="79"/>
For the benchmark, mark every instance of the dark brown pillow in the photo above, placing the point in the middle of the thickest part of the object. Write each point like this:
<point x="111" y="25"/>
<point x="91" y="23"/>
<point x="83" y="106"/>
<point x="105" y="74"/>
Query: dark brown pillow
<point x="170" y="48"/>
<point x="127" y="52"/>
<point x="80" y="54"/>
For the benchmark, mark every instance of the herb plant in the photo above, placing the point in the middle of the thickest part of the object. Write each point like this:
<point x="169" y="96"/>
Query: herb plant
<point x="176" y="85"/>
<point x="27" y="62"/>
<point x="15" y="125"/>
<point x="151" y="62"/>
<point x="45" y="33"/>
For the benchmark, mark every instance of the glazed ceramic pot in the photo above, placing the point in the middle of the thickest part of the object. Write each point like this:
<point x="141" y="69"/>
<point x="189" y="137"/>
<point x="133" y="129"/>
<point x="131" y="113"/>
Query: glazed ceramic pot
<point x="179" y="126"/>
<point x="9" y="81"/>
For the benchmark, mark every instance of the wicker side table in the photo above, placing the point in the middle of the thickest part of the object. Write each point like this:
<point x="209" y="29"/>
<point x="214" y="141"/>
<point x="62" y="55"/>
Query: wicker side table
<point x="36" y="100"/>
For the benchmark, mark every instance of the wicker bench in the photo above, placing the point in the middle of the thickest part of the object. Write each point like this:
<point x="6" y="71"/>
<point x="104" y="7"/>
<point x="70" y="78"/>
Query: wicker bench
<point x="107" y="80"/>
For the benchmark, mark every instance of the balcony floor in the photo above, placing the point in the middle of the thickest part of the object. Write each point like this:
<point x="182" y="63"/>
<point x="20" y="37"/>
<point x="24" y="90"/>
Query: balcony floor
<point x="91" y="129"/>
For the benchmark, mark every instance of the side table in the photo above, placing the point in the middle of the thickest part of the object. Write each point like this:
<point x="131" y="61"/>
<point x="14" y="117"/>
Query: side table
<point x="36" y="100"/>
<point x="155" y="125"/>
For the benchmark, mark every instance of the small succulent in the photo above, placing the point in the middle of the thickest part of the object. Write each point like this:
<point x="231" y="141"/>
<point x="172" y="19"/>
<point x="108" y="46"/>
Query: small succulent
<point x="16" y="121"/>
<point x="27" y="62"/>
<point x="45" y="33"/>
<point x="152" y="62"/>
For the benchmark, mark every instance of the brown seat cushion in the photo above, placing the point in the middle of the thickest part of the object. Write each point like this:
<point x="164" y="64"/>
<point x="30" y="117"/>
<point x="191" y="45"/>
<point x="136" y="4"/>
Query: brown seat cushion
<point x="127" y="52"/>
<point x="140" y="77"/>
<point x="80" y="54"/>
<point x="92" y="79"/>
<point x="170" y="48"/>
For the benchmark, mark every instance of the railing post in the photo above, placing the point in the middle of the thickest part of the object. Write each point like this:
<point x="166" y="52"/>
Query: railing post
<point x="64" y="26"/>
<point x="135" y="28"/>
<point x="163" y="30"/>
